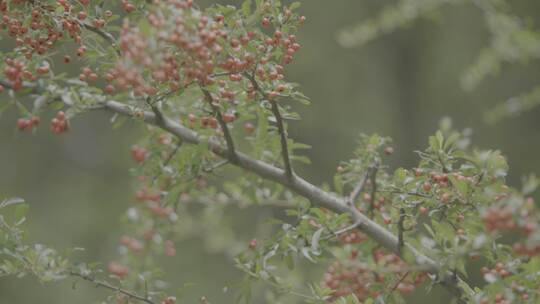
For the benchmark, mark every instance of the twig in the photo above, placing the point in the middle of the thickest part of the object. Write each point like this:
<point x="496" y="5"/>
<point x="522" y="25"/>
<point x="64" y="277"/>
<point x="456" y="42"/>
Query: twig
<point x="156" y="110"/>
<point x="215" y="166"/>
<point x="167" y="161"/>
<point x="373" y="193"/>
<point x="358" y="189"/>
<point x="283" y="138"/>
<point x="401" y="241"/>
<point x="106" y="285"/>
<point x="226" y="133"/>
<point x="280" y="125"/>
<point x="399" y="281"/>
<point x="370" y="174"/>
<point x="105" y="35"/>
<point x="406" y="193"/>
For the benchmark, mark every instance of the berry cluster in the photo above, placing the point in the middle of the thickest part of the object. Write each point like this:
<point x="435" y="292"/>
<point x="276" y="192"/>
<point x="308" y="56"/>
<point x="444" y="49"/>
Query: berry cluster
<point x="118" y="269"/>
<point x="88" y="75"/>
<point x="138" y="153"/>
<point x="169" y="248"/>
<point x="15" y="72"/>
<point x="38" y="31"/>
<point x="160" y="211"/>
<point x="127" y="6"/>
<point x="28" y="123"/>
<point x="59" y="124"/>
<point x="499" y="219"/>
<point x="147" y="195"/>
<point x="353" y="237"/>
<point x="363" y="282"/>
<point x="519" y="216"/>
<point x="169" y="300"/>
<point x="499" y="270"/>
<point x="185" y="46"/>
<point x="132" y="244"/>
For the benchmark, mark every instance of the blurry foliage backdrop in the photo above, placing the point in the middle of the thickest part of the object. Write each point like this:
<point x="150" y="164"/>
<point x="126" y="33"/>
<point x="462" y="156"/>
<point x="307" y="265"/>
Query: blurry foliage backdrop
<point x="399" y="85"/>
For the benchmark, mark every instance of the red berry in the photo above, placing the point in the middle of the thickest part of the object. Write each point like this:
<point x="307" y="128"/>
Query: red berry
<point x="138" y="153"/>
<point x="249" y="127"/>
<point x="22" y="123"/>
<point x="388" y="150"/>
<point x="43" y="70"/>
<point x="82" y="15"/>
<point x="118" y="269"/>
<point x="253" y="244"/>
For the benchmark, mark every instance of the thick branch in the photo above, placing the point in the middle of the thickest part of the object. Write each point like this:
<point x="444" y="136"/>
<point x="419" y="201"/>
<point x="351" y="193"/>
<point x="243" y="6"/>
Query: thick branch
<point x="317" y="196"/>
<point x="106" y="285"/>
<point x="279" y="122"/>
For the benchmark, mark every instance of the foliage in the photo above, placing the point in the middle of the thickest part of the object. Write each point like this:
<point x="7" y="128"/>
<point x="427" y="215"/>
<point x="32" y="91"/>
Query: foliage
<point x="207" y="83"/>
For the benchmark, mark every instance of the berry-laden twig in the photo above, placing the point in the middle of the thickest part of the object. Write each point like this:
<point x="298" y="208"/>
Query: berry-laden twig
<point x="226" y="133"/>
<point x="100" y="283"/>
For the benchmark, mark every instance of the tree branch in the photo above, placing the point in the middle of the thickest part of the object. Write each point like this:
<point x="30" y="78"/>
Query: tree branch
<point x="279" y="122"/>
<point x="106" y="285"/>
<point x="317" y="196"/>
<point x="226" y="133"/>
<point x="452" y="282"/>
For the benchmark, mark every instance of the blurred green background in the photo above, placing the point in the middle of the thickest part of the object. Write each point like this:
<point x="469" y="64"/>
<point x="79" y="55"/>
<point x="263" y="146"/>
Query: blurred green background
<point x="399" y="85"/>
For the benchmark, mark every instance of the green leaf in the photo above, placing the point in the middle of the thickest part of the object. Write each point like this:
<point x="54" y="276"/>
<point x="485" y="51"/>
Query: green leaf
<point x="315" y="239"/>
<point x="246" y="8"/>
<point x="11" y="201"/>
<point x="440" y="139"/>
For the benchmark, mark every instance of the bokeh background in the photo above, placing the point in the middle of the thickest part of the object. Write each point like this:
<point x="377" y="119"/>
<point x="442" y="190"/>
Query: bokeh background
<point x="399" y="85"/>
